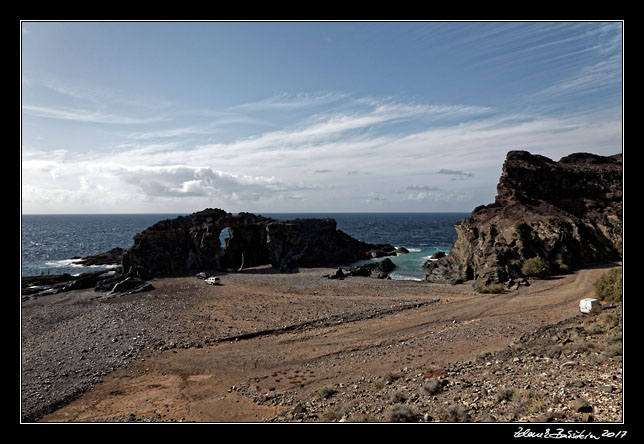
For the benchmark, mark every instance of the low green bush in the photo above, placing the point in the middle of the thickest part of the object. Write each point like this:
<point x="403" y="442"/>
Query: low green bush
<point x="492" y="289"/>
<point x="535" y="267"/>
<point x="609" y="286"/>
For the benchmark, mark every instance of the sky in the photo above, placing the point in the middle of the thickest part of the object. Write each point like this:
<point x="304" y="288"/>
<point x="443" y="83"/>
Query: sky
<point x="267" y="117"/>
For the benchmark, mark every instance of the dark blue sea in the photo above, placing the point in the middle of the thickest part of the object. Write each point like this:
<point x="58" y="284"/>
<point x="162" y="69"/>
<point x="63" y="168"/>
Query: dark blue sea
<point x="50" y="242"/>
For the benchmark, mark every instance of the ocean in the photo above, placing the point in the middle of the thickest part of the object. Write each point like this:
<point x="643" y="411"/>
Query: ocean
<point x="50" y="242"/>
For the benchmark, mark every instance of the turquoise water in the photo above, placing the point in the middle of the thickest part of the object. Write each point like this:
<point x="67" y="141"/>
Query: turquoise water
<point x="423" y="234"/>
<point x="49" y="242"/>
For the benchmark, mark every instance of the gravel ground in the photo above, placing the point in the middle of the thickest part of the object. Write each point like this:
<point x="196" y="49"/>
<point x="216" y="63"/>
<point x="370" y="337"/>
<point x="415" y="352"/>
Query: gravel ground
<point x="71" y="342"/>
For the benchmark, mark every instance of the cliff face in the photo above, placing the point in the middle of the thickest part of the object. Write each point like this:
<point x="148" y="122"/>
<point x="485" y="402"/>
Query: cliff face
<point x="192" y="242"/>
<point x="567" y="212"/>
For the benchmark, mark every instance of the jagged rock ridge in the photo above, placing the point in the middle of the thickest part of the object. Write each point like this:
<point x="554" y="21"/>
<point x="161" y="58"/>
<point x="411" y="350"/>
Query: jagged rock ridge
<point x="569" y="213"/>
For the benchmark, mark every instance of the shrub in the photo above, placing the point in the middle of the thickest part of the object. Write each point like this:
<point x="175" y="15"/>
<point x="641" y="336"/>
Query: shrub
<point x="491" y="289"/>
<point x="505" y="394"/>
<point x="326" y="392"/>
<point x="613" y="350"/>
<point x="534" y="402"/>
<point x="398" y="398"/>
<point x="454" y="413"/>
<point x="366" y="417"/>
<point x="333" y="413"/>
<point x="560" y="267"/>
<point x="535" y="267"/>
<point x="391" y="377"/>
<point x="609" y="286"/>
<point x="402" y="413"/>
<point x="432" y="387"/>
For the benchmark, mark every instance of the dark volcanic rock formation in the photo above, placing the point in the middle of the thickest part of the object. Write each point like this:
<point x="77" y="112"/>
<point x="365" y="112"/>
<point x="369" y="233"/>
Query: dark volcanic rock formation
<point x="192" y="242"/>
<point x="378" y="270"/>
<point x="569" y="213"/>
<point x="108" y="258"/>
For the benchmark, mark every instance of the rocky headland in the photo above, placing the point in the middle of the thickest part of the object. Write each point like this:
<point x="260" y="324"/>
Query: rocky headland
<point x="193" y="242"/>
<point x="568" y="213"/>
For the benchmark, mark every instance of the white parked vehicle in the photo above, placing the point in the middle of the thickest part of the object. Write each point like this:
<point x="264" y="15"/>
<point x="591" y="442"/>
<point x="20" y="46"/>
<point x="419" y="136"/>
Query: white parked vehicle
<point x="212" y="281"/>
<point x="586" y="305"/>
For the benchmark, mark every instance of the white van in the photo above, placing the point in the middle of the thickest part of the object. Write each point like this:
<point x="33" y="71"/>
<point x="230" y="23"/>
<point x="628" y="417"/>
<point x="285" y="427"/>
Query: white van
<point x="212" y="281"/>
<point x="586" y="305"/>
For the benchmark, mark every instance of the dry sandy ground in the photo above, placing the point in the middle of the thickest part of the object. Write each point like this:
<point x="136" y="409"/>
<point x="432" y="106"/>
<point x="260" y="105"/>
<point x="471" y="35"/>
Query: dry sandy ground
<point x="203" y="349"/>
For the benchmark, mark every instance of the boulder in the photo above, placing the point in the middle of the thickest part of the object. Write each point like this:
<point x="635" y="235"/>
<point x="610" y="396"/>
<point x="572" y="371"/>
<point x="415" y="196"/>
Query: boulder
<point x="438" y="255"/>
<point x="581" y="406"/>
<point x="131" y="285"/>
<point x="378" y="270"/>
<point x="337" y="275"/>
<point x="51" y="284"/>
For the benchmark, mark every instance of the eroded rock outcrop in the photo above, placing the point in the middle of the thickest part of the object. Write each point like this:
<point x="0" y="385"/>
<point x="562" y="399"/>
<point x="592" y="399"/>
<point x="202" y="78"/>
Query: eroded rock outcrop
<point x="111" y="257"/>
<point x="193" y="242"/>
<point x="569" y="213"/>
<point x="380" y="270"/>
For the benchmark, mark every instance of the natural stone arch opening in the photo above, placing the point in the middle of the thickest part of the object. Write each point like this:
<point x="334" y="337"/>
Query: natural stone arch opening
<point x="224" y="237"/>
<point x="245" y="247"/>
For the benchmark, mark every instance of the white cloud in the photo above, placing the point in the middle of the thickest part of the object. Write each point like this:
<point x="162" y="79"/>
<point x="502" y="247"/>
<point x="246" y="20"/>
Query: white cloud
<point x="287" y="101"/>
<point x="604" y="74"/>
<point x="84" y="115"/>
<point x="182" y="180"/>
<point x="375" y="197"/>
<point x="439" y="195"/>
<point x="82" y="180"/>
<point x="328" y="160"/>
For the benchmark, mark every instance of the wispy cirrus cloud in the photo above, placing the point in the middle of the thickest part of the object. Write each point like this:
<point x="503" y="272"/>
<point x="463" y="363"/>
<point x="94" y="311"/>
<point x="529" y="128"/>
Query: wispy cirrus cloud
<point x="46" y="89"/>
<point x="366" y="114"/>
<point x="287" y="101"/>
<point x="322" y="152"/>
<point x="84" y="115"/>
<point x="588" y="79"/>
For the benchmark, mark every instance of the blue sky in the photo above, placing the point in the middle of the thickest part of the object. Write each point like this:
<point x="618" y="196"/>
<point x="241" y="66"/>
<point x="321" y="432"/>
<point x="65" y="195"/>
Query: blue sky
<point x="132" y="117"/>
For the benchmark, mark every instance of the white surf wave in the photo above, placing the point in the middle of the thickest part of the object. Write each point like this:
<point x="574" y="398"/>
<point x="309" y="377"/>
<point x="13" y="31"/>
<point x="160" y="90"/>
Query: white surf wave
<point x="75" y="263"/>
